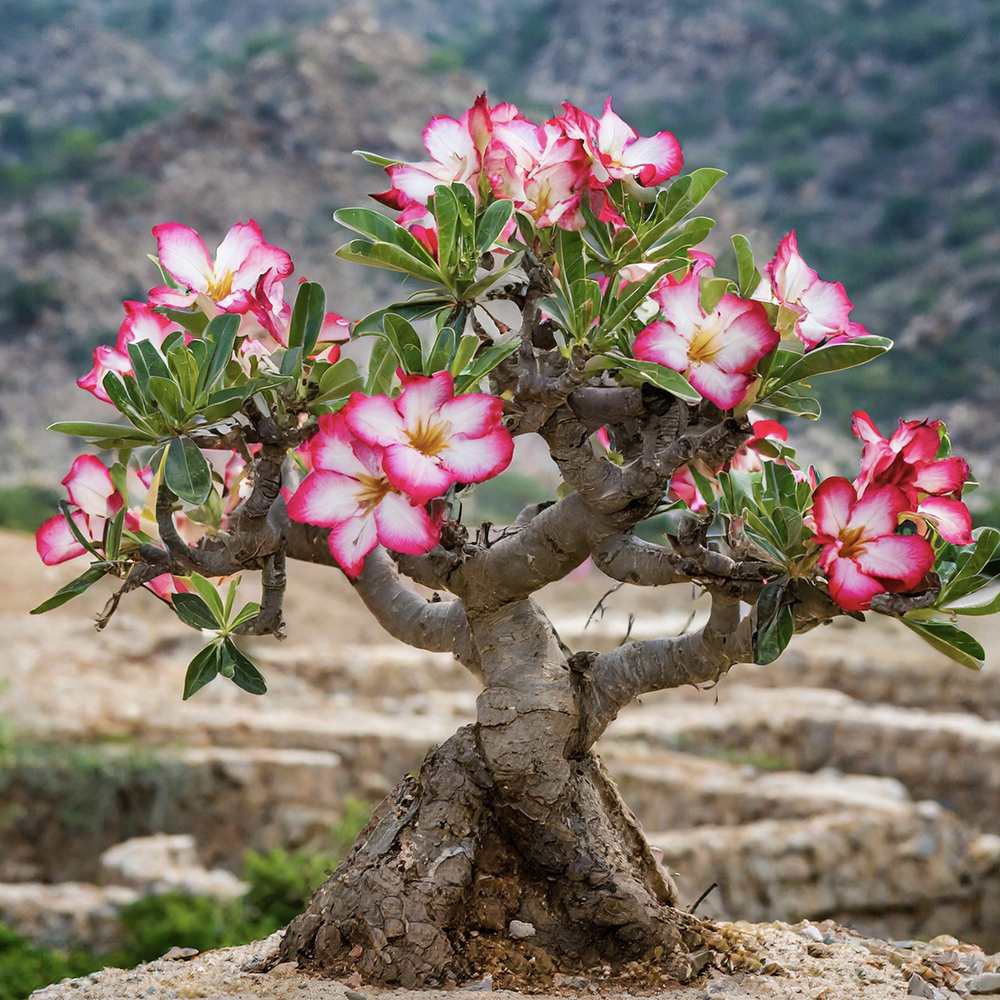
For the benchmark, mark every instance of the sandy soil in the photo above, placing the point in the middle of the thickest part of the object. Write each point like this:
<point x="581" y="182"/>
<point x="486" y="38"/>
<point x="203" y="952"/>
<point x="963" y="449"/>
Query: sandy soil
<point x="848" y="968"/>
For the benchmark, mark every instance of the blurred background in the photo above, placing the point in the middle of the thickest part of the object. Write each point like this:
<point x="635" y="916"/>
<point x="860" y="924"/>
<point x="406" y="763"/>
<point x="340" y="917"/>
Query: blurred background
<point x="866" y="788"/>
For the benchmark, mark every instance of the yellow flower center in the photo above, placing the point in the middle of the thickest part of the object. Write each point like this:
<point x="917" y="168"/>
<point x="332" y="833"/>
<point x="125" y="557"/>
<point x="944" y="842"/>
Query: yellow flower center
<point x="707" y="339"/>
<point x="429" y="437"/>
<point x="851" y="545"/>
<point x="220" y="285"/>
<point x="373" y="490"/>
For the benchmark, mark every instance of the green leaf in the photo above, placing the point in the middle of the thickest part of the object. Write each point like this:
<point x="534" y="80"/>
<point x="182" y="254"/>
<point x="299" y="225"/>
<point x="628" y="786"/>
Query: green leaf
<point x="245" y="672"/>
<point x="663" y="378"/>
<point x="116" y="387"/>
<point x="489" y="279"/>
<point x="484" y="364"/>
<point x="775" y="622"/>
<point x="405" y="340"/>
<point x="677" y="201"/>
<point x="193" y="611"/>
<point x="950" y="640"/>
<point x="712" y="290"/>
<point x="220" y="337"/>
<point x="208" y="593"/>
<point x="491" y="224"/>
<point x="445" y="210"/>
<point x="972" y="561"/>
<point x="389" y="257"/>
<point x="442" y="352"/>
<point x="569" y="256"/>
<point x="73" y="589"/>
<point x="381" y="368"/>
<point x="168" y="395"/>
<point x="991" y="607"/>
<point x="832" y="358"/>
<point x="193" y="322"/>
<point x="187" y="472"/>
<point x="341" y="379"/>
<point x="376" y="158"/>
<point x="694" y="231"/>
<point x="100" y="432"/>
<point x="467" y="346"/>
<point x="202" y="669"/>
<point x="291" y="362"/>
<point x="307" y="317"/>
<point x="184" y="367"/>
<point x="415" y="310"/>
<point x="248" y="611"/>
<point x="113" y="533"/>
<point x="788" y="401"/>
<point x="747" y="275"/>
<point x="146" y="362"/>
<point x="381" y="229"/>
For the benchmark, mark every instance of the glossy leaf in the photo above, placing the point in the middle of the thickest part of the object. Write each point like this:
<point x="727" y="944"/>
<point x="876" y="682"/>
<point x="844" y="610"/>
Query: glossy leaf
<point x="307" y="317"/>
<point x="202" y="669"/>
<point x="442" y="351"/>
<point x="73" y="589"/>
<point x="950" y="640"/>
<point x="832" y="358"/>
<point x="380" y="228"/>
<point x="187" y="472"/>
<point x="484" y="364"/>
<point x="747" y="275"/>
<point x="208" y="593"/>
<point x="381" y="367"/>
<point x="491" y="224"/>
<point x="245" y="672"/>
<point x="193" y="611"/>
<point x="405" y="341"/>
<point x="663" y="378"/>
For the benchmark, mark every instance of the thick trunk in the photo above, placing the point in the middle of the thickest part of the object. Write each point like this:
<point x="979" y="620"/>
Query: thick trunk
<point x="511" y="819"/>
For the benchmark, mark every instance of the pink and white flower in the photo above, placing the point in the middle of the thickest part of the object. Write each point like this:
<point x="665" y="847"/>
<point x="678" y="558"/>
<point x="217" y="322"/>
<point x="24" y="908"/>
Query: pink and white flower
<point x="141" y="322"/>
<point x="862" y="555"/>
<point x="349" y="492"/>
<point x="908" y="460"/>
<point x="821" y="308"/>
<point x="540" y="169"/>
<point x="273" y="313"/>
<point x="748" y="458"/>
<point x="618" y="152"/>
<point x="166" y="585"/>
<point x="433" y="438"/>
<point x="456" y="147"/>
<point x="224" y="282"/>
<point x="717" y="351"/>
<point x="683" y="487"/>
<point x="95" y="499"/>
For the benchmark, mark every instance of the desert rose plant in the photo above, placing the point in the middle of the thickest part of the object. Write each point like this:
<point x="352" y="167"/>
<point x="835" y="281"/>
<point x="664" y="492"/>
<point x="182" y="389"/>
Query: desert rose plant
<point x="552" y="286"/>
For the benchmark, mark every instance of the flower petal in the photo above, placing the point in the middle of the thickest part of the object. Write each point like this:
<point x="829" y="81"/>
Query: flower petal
<point x="331" y="448"/>
<point x="849" y="587"/>
<point x="415" y="473"/>
<point x="404" y="527"/>
<point x="55" y="543"/>
<point x="106" y="359"/>
<point x="183" y="254"/>
<point x="172" y="298"/>
<point x="449" y="143"/>
<point x="945" y="476"/>
<point x="473" y="414"/>
<point x="725" y="389"/>
<point x="877" y="512"/>
<point x="325" y="499"/>
<point x="474" y="460"/>
<point x="374" y="419"/>
<point x="351" y="541"/>
<point x="422" y="396"/>
<point x="906" y="558"/>
<point x="833" y="501"/>
<point x="790" y="274"/>
<point x="680" y="303"/>
<point x="748" y="335"/>
<point x="658" y="157"/>
<point x="950" y="517"/>
<point x="236" y="245"/>
<point x="89" y="486"/>
<point x="660" y="342"/>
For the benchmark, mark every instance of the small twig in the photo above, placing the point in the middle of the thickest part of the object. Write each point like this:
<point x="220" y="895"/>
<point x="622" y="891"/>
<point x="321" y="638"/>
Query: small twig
<point x="628" y="629"/>
<point x="701" y="899"/>
<point x="599" y="606"/>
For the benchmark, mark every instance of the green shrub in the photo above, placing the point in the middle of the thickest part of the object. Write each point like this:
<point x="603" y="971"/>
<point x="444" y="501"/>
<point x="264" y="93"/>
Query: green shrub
<point x="53" y="230"/>
<point x="25" y="967"/>
<point x="23" y="508"/>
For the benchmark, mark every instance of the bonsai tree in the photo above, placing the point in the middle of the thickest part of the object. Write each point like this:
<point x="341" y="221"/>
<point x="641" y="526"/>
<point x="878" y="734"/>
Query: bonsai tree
<point x="553" y="286"/>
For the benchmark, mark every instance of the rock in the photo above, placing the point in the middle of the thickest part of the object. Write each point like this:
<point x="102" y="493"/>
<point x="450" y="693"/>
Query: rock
<point x="355" y="995"/>
<point x="180" y="954"/>
<point x="520" y="929"/>
<point x="811" y="932"/>
<point x="166" y="863"/>
<point x="919" y="987"/>
<point x="284" y="969"/>
<point x="985" y="982"/>
<point x="485" y="984"/>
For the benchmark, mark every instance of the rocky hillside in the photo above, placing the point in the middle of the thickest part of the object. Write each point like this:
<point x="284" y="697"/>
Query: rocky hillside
<point x="871" y="125"/>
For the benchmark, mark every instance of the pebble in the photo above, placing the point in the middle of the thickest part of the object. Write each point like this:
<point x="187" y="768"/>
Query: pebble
<point x="484" y="985"/>
<point x="811" y="932"/>
<point x="354" y="995"/>
<point x="985" y="982"/>
<point x="180" y="954"/>
<point x="520" y="929"/>
<point x="919" y="987"/>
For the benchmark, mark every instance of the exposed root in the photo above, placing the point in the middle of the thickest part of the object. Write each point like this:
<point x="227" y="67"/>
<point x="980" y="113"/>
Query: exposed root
<point x="427" y="896"/>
